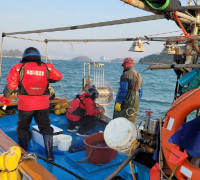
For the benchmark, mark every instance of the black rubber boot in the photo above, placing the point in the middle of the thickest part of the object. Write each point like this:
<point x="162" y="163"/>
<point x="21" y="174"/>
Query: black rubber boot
<point x="24" y="137"/>
<point x="48" y="142"/>
<point x="23" y="142"/>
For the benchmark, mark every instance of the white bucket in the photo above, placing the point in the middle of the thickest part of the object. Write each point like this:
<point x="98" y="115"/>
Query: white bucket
<point x="120" y="134"/>
<point x="64" y="142"/>
<point x="56" y="138"/>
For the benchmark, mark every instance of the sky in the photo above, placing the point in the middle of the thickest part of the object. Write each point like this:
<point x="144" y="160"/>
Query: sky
<point x="23" y="15"/>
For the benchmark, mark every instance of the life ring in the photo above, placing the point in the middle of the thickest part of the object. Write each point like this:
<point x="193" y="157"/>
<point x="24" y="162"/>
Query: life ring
<point x="175" y="116"/>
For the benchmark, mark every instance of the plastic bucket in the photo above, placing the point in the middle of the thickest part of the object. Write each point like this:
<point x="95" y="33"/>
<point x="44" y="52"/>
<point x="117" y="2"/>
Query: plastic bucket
<point x="56" y="138"/>
<point x="97" y="152"/>
<point x="120" y="134"/>
<point x="64" y="142"/>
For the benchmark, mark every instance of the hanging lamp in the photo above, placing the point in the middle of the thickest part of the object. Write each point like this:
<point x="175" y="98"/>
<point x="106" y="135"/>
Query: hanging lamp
<point x="137" y="46"/>
<point x="170" y="49"/>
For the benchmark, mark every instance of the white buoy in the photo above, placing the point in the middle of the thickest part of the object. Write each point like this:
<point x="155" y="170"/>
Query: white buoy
<point x="120" y="134"/>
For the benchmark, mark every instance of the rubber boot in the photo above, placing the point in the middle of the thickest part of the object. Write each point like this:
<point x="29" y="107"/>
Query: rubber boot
<point x="48" y="142"/>
<point x="29" y="136"/>
<point x="24" y="138"/>
<point x="23" y="142"/>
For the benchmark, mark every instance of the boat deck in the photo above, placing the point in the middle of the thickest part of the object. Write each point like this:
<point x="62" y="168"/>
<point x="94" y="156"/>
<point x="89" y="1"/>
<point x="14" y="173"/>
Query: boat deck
<point x="68" y="160"/>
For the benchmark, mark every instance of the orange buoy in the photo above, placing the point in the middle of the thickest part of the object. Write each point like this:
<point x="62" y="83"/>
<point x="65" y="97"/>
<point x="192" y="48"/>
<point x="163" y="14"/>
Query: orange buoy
<point x="175" y="117"/>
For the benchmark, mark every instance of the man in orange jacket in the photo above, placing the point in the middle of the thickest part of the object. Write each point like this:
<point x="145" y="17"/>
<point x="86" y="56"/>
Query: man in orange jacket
<point x="32" y="77"/>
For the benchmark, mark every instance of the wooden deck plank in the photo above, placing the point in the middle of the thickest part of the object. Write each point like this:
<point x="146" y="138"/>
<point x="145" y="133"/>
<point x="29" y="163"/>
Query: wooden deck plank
<point x="33" y="169"/>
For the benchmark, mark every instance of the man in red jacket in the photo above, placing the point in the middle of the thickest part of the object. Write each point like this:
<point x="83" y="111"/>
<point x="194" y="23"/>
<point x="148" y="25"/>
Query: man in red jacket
<point x="32" y="77"/>
<point x="82" y="112"/>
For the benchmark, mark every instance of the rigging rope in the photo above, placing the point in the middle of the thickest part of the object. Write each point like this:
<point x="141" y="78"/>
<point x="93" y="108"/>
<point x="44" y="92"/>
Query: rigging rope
<point x="54" y="39"/>
<point x="163" y="33"/>
<point x="25" y="38"/>
<point x="175" y="16"/>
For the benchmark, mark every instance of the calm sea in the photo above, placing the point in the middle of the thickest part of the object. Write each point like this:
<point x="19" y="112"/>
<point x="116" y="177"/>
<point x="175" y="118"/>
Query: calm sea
<point x="158" y="85"/>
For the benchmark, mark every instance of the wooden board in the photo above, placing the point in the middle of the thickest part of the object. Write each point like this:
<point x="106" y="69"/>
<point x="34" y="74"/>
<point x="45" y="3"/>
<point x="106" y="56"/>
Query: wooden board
<point x="30" y="168"/>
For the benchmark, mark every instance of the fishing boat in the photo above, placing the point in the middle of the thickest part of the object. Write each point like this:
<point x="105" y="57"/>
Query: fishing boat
<point x="148" y="147"/>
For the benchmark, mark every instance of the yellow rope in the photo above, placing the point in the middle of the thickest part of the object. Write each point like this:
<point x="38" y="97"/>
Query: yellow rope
<point x="130" y="163"/>
<point x="25" y="38"/>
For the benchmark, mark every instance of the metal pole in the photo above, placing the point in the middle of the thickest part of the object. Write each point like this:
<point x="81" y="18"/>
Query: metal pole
<point x="89" y="73"/>
<point x="97" y="75"/>
<point x="100" y="75"/>
<point x="94" y="74"/>
<point x="84" y="71"/>
<point x="103" y="76"/>
<point x="1" y="59"/>
<point x="171" y="66"/>
<point x="191" y="18"/>
<point x="161" y="152"/>
<point x="46" y="50"/>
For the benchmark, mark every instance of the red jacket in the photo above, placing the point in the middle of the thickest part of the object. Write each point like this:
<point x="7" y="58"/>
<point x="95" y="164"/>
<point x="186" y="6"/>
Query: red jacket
<point x="33" y="86"/>
<point x="82" y="106"/>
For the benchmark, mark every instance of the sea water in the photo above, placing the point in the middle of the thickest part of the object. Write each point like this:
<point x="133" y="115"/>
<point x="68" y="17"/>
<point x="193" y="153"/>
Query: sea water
<point x="158" y="85"/>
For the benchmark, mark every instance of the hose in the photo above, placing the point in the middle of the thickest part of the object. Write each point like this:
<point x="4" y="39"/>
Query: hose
<point x="130" y="163"/>
<point x="124" y="163"/>
<point x="61" y="167"/>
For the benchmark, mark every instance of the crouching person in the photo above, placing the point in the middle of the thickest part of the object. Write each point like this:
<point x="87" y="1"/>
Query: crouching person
<point x="83" y="112"/>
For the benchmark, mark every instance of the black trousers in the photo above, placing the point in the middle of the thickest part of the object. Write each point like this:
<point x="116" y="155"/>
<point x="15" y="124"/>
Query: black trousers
<point x="86" y="123"/>
<point x="41" y="118"/>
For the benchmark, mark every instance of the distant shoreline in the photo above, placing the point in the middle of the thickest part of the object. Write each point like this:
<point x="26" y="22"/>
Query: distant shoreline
<point x="19" y="57"/>
<point x="12" y="56"/>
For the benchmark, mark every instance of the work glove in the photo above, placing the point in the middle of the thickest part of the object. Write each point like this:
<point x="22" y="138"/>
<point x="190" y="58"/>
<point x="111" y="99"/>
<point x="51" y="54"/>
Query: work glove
<point x="6" y="102"/>
<point x="117" y="107"/>
<point x="101" y="111"/>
